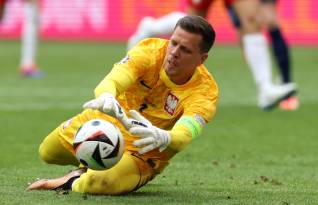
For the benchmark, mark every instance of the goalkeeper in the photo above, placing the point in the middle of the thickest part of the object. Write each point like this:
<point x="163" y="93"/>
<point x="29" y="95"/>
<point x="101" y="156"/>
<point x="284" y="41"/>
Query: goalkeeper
<point x="164" y="85"/>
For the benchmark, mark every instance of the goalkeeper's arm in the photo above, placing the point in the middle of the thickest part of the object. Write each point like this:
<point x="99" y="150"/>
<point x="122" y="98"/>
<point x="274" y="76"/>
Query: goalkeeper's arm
<point x="116" y="82"/>
<point x="153" y="137"/>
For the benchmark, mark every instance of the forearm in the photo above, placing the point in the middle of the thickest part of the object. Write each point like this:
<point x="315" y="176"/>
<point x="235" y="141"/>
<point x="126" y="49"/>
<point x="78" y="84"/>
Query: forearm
<point x="186" y="129"/>
<point x="180" y="138"/>
<point x="116" y="82"/>
<point x="105" y="86"/>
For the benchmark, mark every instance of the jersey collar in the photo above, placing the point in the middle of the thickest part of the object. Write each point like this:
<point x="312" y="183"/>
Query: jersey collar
<point x="164" y="77"/>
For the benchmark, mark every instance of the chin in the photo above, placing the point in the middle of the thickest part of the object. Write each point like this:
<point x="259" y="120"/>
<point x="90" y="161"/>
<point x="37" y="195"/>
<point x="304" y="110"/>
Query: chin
<point x="171" y="67"/>
<point x="172" y="73"/>
<point x="171" y="70"/>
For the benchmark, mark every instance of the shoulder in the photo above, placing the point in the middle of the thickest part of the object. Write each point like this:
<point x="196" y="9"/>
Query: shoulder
<point x="203" y="95"/>
<point x="154" y="43"/>
<point x="207" y="83"/>
<point x="150" y="51"/>
<point x="150" y="45"/>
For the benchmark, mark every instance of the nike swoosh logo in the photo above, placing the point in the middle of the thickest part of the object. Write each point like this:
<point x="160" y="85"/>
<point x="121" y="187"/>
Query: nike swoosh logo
<point x="144" y="84"/>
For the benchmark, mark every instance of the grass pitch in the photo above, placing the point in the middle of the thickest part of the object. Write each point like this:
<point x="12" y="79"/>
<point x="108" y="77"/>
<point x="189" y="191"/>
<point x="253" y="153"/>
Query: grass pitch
<point x="245" y="156"/>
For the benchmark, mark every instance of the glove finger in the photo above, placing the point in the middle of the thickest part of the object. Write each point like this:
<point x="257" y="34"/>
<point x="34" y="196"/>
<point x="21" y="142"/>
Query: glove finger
<point x="141" y="131"/>
<point x="93" y="104"/>
<point x="147" y="149"/>
<point x="107" y="107"/>
<point x="137" y="116"/>
<point x="125" y="121"/>
<point x="143" y="142"/>
<point x="163" y="147"/>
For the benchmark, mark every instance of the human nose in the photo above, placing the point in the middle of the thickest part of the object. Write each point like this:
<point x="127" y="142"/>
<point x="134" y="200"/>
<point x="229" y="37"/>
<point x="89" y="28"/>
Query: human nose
<point x="175" y="51"/>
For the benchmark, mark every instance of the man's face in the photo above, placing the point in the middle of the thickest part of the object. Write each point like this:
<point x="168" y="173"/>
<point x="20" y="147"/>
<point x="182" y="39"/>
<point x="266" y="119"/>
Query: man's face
<point x="183" y="55"/>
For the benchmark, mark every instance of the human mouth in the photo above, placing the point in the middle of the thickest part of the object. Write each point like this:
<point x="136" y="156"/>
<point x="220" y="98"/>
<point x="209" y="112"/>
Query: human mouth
<point x="172" y="63"/>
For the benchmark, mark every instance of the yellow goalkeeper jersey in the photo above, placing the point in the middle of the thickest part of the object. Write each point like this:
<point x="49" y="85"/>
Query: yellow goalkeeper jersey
<point x="140" y="82"/>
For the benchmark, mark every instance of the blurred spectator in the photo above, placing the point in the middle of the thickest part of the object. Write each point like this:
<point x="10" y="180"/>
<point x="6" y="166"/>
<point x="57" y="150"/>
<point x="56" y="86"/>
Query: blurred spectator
<point x="255" y="49"/>
<point x="280" y="49"/>
<point x="2" y="3"/>
<point x="29" y="38"/>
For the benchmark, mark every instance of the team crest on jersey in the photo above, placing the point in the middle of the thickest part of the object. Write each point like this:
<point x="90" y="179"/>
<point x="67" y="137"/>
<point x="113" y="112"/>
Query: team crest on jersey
<point x="171" y="103"/>
<point x="124" y="60"/>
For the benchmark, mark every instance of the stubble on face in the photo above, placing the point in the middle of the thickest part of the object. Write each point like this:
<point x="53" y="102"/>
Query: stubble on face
<point x="183" y="55"/>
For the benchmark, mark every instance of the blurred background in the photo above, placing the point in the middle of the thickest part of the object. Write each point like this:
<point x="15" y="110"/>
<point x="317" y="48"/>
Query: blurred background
<point x="116" y="20"/>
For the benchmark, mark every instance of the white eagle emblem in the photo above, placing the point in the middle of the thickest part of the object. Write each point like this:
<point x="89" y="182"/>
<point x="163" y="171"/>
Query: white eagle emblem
<point x="171" y="103"/>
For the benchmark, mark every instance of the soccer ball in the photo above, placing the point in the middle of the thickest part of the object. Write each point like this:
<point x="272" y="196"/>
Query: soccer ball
<point x="98" y="144"/>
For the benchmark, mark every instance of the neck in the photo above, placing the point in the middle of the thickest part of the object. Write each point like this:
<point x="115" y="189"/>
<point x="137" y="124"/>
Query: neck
<point x="180" y="79"/>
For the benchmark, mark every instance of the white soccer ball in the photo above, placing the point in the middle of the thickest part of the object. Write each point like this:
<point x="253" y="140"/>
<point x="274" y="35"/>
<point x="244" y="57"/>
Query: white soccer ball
<point x="98" y="144"/>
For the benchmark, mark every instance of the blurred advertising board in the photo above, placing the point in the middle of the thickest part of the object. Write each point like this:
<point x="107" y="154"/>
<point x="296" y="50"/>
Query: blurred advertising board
<point x="116" y="20"/>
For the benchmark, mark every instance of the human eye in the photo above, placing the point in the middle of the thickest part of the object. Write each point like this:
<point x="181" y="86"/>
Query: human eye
<point x="173" y="43"/>
<point x="186" y="50"/>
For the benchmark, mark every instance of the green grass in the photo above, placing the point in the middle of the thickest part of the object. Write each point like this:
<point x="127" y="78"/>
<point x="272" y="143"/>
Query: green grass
<point x="245" y="156"/>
